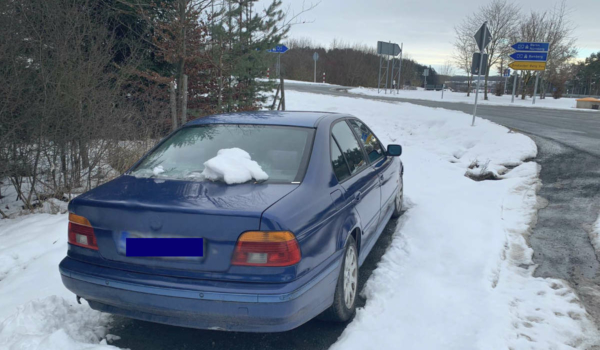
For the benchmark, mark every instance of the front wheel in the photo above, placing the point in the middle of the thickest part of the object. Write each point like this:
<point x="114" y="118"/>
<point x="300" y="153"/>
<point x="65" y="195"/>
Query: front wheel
<point x="344" y="301"/>
<point x="398" y="200"/>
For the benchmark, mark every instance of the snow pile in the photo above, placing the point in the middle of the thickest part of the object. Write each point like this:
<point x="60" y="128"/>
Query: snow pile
<point x="234" y="166"/>
<point x="458" y="274"/>
<point x="52" y="323"/>
<point x="461" y="97"/>
<point x="158" y="170"/>
<point x="31" y="247"/>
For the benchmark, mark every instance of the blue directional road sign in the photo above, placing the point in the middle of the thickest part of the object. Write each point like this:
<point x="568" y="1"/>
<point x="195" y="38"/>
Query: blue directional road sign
<point x="538" y="47"/>
<point x="530" y="56"/>
<point x="506" y="73"/>
<point x="279" y="49"/>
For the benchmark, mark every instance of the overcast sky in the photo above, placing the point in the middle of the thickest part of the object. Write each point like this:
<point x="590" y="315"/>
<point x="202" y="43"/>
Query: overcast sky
<point x="424" y="26"/>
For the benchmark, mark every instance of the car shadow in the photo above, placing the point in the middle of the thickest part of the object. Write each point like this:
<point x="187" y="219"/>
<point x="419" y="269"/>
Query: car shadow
<point x="312" y="335"/>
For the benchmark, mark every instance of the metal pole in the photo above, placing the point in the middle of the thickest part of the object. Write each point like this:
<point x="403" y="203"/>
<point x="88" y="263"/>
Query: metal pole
<point x="278" y="65"/>
<point x="537" y="76"/>
<point x="379" y="79"/>
<point x="392" y="87"/>
<point x="443" y="91"/>
<point x="315" y="79"/>
<point x="387" y="72"/>
<point x="400" y="68"/>
<point x="514" y="88"/>
<point x="506" y="84"/>
<point x="479" y="73"/>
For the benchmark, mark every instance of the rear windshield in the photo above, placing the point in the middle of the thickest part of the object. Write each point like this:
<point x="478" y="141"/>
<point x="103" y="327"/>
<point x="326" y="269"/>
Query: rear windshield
<point x="281" y="151"/>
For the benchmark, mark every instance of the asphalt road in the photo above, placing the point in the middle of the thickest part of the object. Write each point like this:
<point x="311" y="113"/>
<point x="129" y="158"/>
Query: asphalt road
<point x="560" y="240"/>
<point x="577" y="129"/>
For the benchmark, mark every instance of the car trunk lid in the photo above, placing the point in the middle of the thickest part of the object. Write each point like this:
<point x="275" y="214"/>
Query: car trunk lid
<point x="158" y="208"/>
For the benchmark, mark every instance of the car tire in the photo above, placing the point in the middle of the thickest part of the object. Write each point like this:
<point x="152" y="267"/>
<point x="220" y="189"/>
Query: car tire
<point x="398" y="200"/>
<point x="344" y="300"/>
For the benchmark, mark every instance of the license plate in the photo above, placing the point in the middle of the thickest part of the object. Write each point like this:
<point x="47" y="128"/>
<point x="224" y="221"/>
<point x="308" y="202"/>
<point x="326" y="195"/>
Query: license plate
<point x="135" y="244"/>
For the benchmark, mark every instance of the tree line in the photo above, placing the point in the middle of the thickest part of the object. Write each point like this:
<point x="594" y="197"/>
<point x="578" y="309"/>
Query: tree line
<point x="348" y="65"/>
<point x="586" y="76"/>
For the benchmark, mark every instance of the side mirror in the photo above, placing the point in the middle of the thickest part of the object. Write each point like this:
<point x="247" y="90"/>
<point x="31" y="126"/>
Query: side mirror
<point x="394" y="150"/>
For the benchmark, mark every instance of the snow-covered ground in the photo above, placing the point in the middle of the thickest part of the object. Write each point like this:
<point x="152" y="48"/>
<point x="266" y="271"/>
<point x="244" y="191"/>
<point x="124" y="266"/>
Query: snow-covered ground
<point x="458" y="274"/>
<point x="36" y="310"/>
<point x="461" y="97"/>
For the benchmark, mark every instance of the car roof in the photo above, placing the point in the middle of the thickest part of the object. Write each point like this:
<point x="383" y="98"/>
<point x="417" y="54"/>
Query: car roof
<point x="286" y="118"/>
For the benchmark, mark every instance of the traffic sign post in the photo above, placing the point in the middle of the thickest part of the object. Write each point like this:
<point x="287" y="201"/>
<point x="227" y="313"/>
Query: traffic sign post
<point x="528" y="65"/>
<point x="315" y="58"/>
<point x="400" y="69"/>
<point x="537" y="78"/>
<point x="514" y="89"/>
<point x="530" y="56"/>
<point x="483" y="38"/>
<point x="279" y="49"/>
<point x="425" y="75"/>
<point x="532" y="47"/>
<point x="387" y="49"/>
<point x="475" y="64"/>
<point x="506" y="74"/>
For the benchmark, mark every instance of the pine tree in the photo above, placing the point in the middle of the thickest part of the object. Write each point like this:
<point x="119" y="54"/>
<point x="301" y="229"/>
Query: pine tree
<point x="242" y="38"/>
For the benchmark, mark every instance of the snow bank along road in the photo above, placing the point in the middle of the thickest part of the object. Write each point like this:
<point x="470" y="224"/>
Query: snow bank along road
<point x="456" y="270"/>
<point x="578" y="129"/>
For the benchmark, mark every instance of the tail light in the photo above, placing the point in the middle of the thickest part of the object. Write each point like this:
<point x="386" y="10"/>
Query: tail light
<point x="275" y="248"/>
<point x="81" y="232"/>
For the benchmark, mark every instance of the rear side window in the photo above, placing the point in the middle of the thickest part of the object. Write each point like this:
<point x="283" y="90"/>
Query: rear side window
<point x="340" y="168"/>
<point x="349" y="147"/>
<point x="368" y="139"/>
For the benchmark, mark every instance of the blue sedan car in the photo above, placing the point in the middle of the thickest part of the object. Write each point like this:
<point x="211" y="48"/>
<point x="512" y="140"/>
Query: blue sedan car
<point x="261" y="256"/>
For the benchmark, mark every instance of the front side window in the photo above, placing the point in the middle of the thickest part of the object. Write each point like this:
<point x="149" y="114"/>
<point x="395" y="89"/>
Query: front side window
<point x="281" y="151"/>
<point x="349" y="146"/>
<point x="368" y="139"/>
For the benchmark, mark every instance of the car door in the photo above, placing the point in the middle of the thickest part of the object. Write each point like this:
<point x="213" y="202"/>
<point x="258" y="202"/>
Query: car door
<point x="362" y="186"/>
<point x="381" y="164"/>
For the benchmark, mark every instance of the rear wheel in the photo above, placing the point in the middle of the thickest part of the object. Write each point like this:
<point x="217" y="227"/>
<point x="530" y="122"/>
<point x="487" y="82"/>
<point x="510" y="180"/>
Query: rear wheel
<point x="344" y="301"/>
<point x="398" y="200"/>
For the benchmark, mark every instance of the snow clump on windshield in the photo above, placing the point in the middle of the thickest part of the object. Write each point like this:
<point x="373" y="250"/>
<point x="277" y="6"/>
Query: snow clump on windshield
<point x="234" y="166"/>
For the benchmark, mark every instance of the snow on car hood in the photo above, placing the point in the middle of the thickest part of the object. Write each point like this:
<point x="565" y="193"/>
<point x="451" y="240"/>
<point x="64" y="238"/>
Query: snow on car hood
<point x="233" y="166"/>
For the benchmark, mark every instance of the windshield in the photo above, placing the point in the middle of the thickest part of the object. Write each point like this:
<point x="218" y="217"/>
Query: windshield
<point x="281" y="151"/>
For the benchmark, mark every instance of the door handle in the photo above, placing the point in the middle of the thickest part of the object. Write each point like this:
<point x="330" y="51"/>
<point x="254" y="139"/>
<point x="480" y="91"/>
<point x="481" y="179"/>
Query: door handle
<point x="357" y="196"/>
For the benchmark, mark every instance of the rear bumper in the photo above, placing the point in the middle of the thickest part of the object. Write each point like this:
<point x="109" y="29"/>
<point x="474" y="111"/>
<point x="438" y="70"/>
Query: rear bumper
<point x="245" y="307"/>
